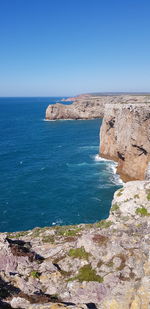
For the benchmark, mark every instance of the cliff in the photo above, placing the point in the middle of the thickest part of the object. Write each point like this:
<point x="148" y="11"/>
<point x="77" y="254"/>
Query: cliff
<point x="105" y="265"/>
<point x="125" y="137"/>
<point x="125" y="131"/>
<point x="89" y="107"/>
<point x="81" y="109"/>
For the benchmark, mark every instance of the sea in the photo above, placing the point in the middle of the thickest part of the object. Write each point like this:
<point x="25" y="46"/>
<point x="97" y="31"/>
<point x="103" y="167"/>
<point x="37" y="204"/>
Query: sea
<point x="50" y="171"/>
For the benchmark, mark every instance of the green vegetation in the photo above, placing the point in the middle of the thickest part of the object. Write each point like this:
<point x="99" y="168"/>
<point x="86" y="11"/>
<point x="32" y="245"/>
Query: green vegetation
<point x="65" y="273"/>
<point x="35" y="274"/>
<point x="79" y="253"/>
<point x="48" y="239"/>
<point x="115" y="207"/>
<point x="110" y="264"/>
<point x="103" y="224"/>
<point x="36" y="232"/>
<point x="120" y="192"/>
<point x="66" y="231"/>
<point x="136" y="196"/>
<point x="148" y="196"/>
<point x="17" y="235"/>
<point x="142" y="211"/>
<point x="127" y="200"/>
<point x="86" y="273"/>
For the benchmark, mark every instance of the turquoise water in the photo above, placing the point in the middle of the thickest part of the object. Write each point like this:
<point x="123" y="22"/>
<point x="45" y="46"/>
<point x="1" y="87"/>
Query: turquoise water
<point x="49" y="172"/>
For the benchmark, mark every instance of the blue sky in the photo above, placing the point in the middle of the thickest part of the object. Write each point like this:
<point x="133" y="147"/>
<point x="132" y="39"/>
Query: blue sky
<point x="67" y="47"/>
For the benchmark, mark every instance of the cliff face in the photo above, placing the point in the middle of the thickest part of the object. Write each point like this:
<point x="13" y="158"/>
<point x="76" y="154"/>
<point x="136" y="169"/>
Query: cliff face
<point x="125" y="137"/>
<point x="81" y="109"/>
<point x="89" y="107"/>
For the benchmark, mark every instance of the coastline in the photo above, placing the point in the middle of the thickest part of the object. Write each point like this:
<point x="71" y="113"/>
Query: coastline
<point x="106" y="264"/>
<point x="55" y="264"/>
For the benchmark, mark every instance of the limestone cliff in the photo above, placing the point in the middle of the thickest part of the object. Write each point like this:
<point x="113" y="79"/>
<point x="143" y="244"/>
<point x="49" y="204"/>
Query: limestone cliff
<point x="81" y="109"/>
<point x="125" y="137"/>
<point x="89" y="107"/>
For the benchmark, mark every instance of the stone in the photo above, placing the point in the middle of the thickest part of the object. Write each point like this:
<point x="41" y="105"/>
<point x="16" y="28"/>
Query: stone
<point x="18" y="302"/>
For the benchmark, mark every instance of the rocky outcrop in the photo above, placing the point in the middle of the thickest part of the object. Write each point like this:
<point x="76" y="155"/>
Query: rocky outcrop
<point x="89" y="107"/>
<point x="125" y="137"/>
<point x="103" y="265"/>
<point x="80" y="109"/>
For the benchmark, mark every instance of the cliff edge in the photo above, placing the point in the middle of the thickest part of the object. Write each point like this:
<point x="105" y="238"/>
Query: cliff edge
<point x="105" y="265"/>
<point x="90" y="107"/>
<point x="125" y="137"/>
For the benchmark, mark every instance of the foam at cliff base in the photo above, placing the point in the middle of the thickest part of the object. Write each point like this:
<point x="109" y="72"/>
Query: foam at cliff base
<point x="111" y="166"/>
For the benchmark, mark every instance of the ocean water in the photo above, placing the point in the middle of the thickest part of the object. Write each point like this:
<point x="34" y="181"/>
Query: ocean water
<point x="49" y="170"/>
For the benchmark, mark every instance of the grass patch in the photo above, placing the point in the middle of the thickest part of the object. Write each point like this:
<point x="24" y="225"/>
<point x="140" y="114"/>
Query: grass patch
<point x="148" y="196"/>
<point x="17" y="235"/>
<point x="136" y="196"/>
<point x="120" y="192"/>
<point x="65" y="273"/>
<point x="79" y="253"/>
<point x="103" y="224"/>
<point x="142" y="211"/>
<point x="36" y="232"/>
<point x="35" y="274"/>
<point x="127" y="200"/>
<point x="86" y="273"/>
<point x="115" y="207"/>
<point x="48" y="239"/>
<point x="68" y="232"/>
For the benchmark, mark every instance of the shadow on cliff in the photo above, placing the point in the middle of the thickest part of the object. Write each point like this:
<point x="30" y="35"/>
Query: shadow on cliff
<point x="22" y="248"/>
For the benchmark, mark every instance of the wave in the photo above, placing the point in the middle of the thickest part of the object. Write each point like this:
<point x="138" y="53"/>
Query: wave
<point x="57" y="222"/>
<point x="111" y="167"/>
<point x="49" y="119"/>
<point x="77" y="164"/>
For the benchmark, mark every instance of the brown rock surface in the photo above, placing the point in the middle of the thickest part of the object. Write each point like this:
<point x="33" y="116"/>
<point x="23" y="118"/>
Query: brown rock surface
<point x="125" y="137"/>
<point x="89" y="107"/>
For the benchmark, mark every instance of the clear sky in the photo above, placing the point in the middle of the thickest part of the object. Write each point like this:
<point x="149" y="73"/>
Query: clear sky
<point x="67" y="47"/>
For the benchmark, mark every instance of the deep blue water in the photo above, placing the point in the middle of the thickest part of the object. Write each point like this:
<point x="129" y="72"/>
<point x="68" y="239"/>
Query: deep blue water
<point x="48" y="171"/>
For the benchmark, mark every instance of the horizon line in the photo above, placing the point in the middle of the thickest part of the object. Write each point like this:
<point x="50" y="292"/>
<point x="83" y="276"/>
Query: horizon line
<point x="86" y="93"/>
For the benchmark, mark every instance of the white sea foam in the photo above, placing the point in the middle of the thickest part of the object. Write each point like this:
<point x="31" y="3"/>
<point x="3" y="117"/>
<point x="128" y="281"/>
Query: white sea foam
<point x="57" y="222"/>
<point x="42" y="168"/>
<point x="49" y="119"/>
<point x="112" y="167"/>
<point x="97" y="158"/>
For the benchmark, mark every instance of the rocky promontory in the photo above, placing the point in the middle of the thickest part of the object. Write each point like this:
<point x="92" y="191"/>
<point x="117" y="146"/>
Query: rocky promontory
<point x="90" y="107"/>
<point x="125" y="131"/>
<point x="105" y="265"/>
<point x="81" y="108"/>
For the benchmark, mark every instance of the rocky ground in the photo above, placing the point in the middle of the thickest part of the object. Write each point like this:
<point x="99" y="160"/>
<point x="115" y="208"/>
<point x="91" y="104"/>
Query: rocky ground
<point x="89" y="107"/>
<point x="105" y="265"/>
